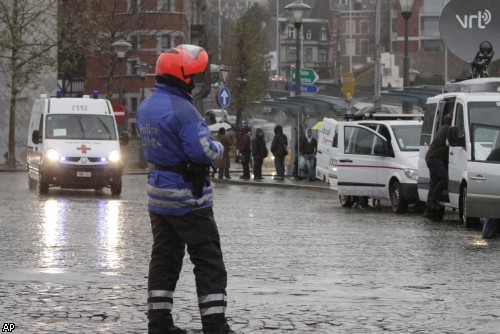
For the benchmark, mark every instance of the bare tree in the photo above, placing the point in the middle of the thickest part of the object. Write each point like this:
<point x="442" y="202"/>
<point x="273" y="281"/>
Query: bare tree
<point x="245" y="53"/>
<point x="26" y="40"/>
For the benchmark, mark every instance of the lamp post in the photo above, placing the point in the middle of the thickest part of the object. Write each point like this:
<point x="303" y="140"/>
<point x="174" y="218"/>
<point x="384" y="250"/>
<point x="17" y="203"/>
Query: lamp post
<point x="406" y="9"/>
<point x="142" y="68"/>
<point x="120" y="48"/>
<point x="297" y="9"/>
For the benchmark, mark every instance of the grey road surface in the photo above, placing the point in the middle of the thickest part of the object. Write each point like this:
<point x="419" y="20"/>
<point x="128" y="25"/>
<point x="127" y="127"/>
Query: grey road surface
<point x="77" y="262"/>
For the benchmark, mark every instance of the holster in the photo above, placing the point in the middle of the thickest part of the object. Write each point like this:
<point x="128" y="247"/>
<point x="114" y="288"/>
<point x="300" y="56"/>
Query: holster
<point x="197" y="174"/>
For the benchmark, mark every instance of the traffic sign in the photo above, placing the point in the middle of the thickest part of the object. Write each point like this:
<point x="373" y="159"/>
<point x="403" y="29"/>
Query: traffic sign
<point x="223" y="97"/>
<point x="306" y="88"/>
<point x="119" y="112"/>
<point x="307" y="76"/>
<point x="224" y="75"/>
<point x="348" y="84"/>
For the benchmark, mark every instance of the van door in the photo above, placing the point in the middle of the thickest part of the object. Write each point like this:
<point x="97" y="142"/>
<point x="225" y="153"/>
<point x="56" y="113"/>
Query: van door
<point x="458" y="157"/>
<point x="361" y="161"/>
<point x="483" y="169"/>
<point x="326" y="155"/>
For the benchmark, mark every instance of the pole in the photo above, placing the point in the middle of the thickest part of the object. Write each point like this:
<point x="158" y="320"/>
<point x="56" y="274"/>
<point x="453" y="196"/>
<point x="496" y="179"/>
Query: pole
<point x="219" y="37"/>
<point x="298" y="88"/>
<point x="350" y="36"/>
<point x="278" y="38"/>
<point x="123" y="125"/>
<point x="406" y="66"/>
<point x="377" y="99"/>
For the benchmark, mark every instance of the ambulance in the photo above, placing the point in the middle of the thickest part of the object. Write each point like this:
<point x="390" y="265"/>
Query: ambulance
<point x="74" y="143"/>
<point x="474" y="148"/>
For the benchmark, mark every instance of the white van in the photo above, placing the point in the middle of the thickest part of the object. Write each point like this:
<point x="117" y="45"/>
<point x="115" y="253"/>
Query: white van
<point x="474" y="140"/>
<point x="326" y="155"/>
<point x="378" y="159"/>
<point x="74" y="143"/>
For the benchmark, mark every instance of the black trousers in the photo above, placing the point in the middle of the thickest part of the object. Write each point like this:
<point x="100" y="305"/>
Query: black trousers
<point x="198" y="231"/>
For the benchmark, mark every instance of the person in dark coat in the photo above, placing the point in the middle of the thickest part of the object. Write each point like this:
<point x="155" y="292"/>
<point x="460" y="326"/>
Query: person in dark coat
<point x="224" y="163"/>
<point x="279" y="148"/>
<point x="245" y="149"/>
<point x="437" y="162"/>
<point x="259" y="153"/>
<point x="308" y="146"/>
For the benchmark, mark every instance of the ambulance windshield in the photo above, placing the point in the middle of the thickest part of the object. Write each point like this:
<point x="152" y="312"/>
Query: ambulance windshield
<point x="90" y="127"/>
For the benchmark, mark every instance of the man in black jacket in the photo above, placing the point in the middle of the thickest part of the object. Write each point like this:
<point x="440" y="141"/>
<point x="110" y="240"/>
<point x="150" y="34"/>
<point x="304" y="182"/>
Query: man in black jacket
<point x="437" y="162"/>
<point x="279" y="148"/>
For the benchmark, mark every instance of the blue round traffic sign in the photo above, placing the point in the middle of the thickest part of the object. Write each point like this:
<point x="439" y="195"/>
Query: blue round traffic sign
<point x="223" y="97"/>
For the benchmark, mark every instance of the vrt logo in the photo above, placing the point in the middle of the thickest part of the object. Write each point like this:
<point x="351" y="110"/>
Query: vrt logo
<point x="483" y="18"/>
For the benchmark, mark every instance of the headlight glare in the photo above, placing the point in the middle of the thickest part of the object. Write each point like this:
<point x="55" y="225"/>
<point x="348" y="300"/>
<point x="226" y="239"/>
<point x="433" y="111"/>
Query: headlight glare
<point x="52" y="155"/>
<point x="114" y="156"/>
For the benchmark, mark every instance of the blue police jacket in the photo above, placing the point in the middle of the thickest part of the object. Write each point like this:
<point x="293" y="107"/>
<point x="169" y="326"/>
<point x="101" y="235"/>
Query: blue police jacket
<point x="174" y="133"/>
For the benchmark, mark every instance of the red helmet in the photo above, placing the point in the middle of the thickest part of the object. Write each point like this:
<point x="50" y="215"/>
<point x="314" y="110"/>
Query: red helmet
<point x="182" y="62"/>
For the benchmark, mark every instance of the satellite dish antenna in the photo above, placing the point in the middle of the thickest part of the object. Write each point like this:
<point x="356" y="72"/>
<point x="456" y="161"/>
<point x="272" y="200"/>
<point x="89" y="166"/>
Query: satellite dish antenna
<point x="465" y="25"/>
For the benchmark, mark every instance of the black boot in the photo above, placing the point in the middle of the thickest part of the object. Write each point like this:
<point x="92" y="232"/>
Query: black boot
<point x="161" y="322"/>
<point x="228" y="330"/>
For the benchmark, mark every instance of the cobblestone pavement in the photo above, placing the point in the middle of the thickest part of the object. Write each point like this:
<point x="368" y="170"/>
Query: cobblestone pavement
<point x="76" y="262"/>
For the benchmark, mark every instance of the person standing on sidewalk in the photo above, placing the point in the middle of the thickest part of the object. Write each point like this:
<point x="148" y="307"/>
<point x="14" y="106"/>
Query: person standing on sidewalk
<point x="245" y="149"/>
<point x="225" y="163"/>
<point x="177" y="143"/>
<point x="308" y="147"/>
<point x="279" y="148"/>
<point x="259" y="153"/>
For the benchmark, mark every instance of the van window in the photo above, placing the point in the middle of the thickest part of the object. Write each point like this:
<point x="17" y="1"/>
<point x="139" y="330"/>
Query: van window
<point x="429" y="115"/>
<point x="460" y="121"/>
<point x="486" y="146"/>
<point x="407" y="136"/>
<point x="362" y="141"/>
<point x="97" y="127"/>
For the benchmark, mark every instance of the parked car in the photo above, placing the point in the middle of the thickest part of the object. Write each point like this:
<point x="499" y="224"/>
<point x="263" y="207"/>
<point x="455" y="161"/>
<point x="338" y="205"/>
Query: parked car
<point x="221" y="115"/>
<point x="371" y="159"/>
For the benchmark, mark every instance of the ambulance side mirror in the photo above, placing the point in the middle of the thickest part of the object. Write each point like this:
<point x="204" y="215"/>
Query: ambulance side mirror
<point x="36" y="137"/>
<point x="124" y="138"/>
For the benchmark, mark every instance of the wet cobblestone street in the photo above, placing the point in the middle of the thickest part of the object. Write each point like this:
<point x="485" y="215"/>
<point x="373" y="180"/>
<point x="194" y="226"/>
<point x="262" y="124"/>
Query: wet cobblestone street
<point x="77" y="261"/>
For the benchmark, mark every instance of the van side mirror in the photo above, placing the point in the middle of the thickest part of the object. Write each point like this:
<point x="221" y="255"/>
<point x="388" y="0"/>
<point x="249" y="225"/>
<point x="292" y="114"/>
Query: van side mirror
<point x="36" y="137"/>
<point x="124" y="138"/>
<point x="381" y="149"/>
<point x="453" y="137"/>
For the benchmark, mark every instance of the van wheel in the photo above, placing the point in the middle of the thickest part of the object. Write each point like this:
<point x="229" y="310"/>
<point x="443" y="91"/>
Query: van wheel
<point x="116" y="187"/>
<point x="32" y="183"/>
<point x="346" y="201"/>
<point x="398" y="203"/>
<point x="469" y="222"/>
<point x="43" y="186"/>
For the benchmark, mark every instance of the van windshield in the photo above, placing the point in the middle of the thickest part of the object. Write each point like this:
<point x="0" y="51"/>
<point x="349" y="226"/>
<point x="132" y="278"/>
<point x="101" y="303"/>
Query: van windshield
<point x="407" y="136"/>
<point x="67" y="126"/>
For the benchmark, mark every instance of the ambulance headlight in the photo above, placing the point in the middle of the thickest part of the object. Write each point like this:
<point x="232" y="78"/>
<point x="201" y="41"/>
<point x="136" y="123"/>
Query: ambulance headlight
<point x="114" y="156"/>
<point x="52" y="155"/>
<point x="411" y="173"/>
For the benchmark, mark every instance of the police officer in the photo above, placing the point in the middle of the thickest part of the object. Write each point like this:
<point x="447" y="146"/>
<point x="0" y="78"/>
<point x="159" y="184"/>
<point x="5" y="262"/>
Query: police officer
<point x="177" y="143"/>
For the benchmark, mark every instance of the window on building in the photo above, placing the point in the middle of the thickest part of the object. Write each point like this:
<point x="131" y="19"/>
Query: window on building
<point x="133" y="102"/>
<point x="343" y="2"/>
<point x="350" y="27"/>
<point x="323" y="34"/>
<point x="134" y="41"/>
<point x="309" y="55"/>
<point x="432" y="45"/>
<point x="292" y="32"/>
<point x="430" y="26"/>
<point x="133" y="6"/>
<point x="166" y="41"/>
<point x="364" y="46"/>
<point x="133" y="68"/>
<point x="365" y="27"/>
<point x="309" y="34"/>
<point x="164" y="5"/>
<point x="292" y="54"/>
<point x="322" y="55"/>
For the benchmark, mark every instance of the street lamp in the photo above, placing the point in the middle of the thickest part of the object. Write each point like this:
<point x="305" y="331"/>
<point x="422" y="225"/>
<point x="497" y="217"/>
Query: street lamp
<point x="141" y="69"/>
<point x="406" y="9"/>
<point x="297" y="9"/>
<point x="120" y="48"/>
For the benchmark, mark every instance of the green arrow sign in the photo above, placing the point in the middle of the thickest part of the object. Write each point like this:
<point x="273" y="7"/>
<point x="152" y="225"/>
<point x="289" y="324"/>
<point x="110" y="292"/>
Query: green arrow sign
<point x="307" y="76"/>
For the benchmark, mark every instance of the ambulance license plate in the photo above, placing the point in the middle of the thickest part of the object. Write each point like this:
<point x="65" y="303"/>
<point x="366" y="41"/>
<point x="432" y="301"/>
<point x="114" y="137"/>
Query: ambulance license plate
<point x="84" y="174"/>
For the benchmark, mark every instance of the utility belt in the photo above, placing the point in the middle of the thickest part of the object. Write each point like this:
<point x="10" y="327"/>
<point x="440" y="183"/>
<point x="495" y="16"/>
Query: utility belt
<point x="195" y="173"/>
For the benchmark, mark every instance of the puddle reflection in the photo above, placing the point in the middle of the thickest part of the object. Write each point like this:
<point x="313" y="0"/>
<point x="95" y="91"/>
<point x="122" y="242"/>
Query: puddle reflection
<point x="54" y="235"/>
<point x="109" y="231"/>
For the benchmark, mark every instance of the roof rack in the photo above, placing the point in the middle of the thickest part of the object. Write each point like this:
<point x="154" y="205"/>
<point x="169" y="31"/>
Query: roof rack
<point x="383" y="116"/>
